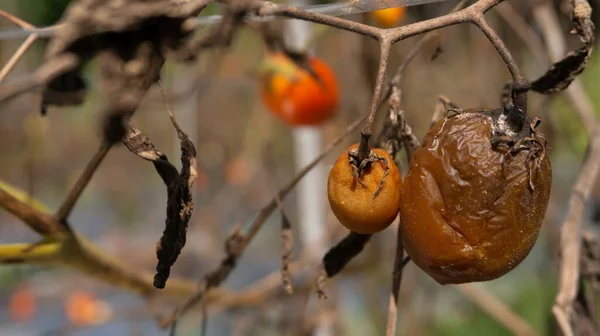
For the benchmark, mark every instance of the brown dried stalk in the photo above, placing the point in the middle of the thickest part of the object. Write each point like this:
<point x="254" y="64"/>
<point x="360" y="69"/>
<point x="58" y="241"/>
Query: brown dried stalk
<point x="410" y="143"/>
<point x="570" y="240"/>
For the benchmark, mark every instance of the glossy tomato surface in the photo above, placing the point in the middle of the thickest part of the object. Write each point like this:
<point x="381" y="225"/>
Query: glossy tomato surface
<point x="294" y="94"/>
<point x="353" y="203"/>
<point x="468" y="212"/>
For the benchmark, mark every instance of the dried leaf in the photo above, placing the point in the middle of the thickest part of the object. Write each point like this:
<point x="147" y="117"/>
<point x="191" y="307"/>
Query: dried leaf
<point x="337" y="257"/>
<point x="179" y="195"/>
<point x="143" y="147"/>
<point x="134" y="33"/>
<point x="68" y="89"/>
<point x="562" y="73"/>
<point x="341" y="254"/>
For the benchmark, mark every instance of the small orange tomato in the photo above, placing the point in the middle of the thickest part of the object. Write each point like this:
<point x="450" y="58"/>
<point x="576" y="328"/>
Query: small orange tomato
<point x="354" y="204"/>
<point x="298" y="95"/>
<point x="389" y="17"/>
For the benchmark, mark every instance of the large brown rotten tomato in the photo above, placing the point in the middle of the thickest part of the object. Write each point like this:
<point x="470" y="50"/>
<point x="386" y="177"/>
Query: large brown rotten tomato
<point x="475" y="197"/>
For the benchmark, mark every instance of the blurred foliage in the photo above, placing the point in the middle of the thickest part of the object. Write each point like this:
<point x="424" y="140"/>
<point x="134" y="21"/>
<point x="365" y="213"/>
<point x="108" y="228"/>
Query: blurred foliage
<point x="534" y="303"/>
<point x="42" y="12"/>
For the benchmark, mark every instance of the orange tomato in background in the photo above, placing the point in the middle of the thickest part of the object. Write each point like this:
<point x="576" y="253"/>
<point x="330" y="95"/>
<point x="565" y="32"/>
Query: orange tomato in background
<point x="23" y="304"/>
<point x="296" y="95"/>
<point x="85" y="309"/>
<point x="389" y="17"/>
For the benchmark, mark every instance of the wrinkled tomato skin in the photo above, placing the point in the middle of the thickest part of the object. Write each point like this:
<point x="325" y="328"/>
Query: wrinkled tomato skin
<point x="300" y="99"/>
<point x="468" y="213"/>
<point x="354" y="205"/>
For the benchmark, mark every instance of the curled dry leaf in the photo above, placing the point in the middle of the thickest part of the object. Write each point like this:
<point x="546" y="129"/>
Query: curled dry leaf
<point x="562" y="73"/>
<point x="179" y="202"/>
<point x="339" y="256"/>
<point x="130" y="39"/>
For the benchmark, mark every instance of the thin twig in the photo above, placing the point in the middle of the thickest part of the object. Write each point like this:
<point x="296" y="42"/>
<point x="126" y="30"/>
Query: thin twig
<point x="16" y="21"/>
<point x="12" y="62"/>
<point x="509" y="60"/>
<point x="367" y="130"/>
<point x="396" y="282"/>
<point x="40" y="77"/>
<point x="515" y="20"/>
<point x="570" y="240"/>
<point x="65" y="209"/>
<point x="410" y="143"/>
<point x="16" y="57"/>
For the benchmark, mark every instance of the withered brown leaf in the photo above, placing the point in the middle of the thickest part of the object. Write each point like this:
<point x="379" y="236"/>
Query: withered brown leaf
<point x="562" y="73"/>
<point x="180" y="204"/>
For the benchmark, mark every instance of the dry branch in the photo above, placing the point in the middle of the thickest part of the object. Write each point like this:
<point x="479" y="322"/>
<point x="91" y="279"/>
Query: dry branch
<point x="570" y="241"/>
<point x="397" y="133"/>
<point x="75" y="251"/>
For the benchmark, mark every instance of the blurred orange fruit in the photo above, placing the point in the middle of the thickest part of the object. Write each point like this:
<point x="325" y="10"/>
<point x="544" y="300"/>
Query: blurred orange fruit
<point x="83" y="309"/>
<point x="299" y="95"/>
<point x="237" y="172"/>
<point x="23" y="304"/>
<point x="389" y="17"/>
<point x="201" y="181"/>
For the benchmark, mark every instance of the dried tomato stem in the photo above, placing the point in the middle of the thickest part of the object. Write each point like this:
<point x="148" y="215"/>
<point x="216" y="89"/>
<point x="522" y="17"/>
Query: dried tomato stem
<point x="517" y="113"/>
<point x="367" y="130"/>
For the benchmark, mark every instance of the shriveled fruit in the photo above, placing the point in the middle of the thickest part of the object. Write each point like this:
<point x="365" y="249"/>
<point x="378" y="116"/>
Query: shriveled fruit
<point x="389" y="17"/>
<point x="364" y="201"/>
<point x="299" y="95"/>
<point x="473" y="201"/>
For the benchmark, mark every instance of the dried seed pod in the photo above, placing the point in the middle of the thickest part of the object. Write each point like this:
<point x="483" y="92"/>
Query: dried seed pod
<point x="475" y="197"/>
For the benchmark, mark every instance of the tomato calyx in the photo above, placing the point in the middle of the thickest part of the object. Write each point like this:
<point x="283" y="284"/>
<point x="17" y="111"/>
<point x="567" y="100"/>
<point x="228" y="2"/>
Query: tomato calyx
<point x="301" y="60"/>
<point x="298" y="60"/>
<point x="528" y="139"/>
<point x="358" y="166"/>
<point x="508" y="142"/>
